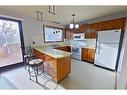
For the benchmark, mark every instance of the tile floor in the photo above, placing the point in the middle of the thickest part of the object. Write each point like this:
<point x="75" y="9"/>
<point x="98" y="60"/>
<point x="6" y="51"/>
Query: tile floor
<point x="83" y="76"/>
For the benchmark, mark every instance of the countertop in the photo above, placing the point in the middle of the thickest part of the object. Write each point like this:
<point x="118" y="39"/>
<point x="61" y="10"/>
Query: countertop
<point x="89" y="47"/>
<point x="49" y="50"/>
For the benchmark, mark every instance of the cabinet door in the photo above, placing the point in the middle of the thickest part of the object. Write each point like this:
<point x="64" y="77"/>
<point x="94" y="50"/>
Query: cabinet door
<point x="67" y="34"/>
<point x="91" y="53"/>
<point x="94" y="29"/>
<point x="104" y="25"/>
<point x="63" y="48"/>
<point x="117" y="23"/>
<point x="69" y="48"/>
<point x="50" y="65"/>
<point x="87" y="31"/>
<point x="84" y="54"/>
<point x="64" y="66"/>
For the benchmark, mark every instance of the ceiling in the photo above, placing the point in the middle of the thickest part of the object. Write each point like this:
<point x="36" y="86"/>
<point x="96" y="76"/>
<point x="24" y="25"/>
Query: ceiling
<point x="64" y="13"/>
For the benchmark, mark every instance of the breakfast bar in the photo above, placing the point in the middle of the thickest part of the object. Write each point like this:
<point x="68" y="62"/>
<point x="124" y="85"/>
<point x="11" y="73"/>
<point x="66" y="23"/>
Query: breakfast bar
<point x="57" y="63"/>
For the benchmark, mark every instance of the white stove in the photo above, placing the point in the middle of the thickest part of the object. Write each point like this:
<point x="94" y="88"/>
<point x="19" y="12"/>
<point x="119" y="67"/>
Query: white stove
<point x="77" y="52"/>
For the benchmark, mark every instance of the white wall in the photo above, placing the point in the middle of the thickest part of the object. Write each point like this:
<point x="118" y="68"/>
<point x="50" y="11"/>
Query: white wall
<point x="32" y="29"/>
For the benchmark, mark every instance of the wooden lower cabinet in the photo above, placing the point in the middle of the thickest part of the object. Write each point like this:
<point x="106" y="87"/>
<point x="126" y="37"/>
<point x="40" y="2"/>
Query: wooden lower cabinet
<point x="88" y="55"/>
<point x="58" y="69"/>
<point x="64" y="48"/>
<point x="69" y="48"/>
<point x="91" y="54"/>
<point x="85" y="54"/>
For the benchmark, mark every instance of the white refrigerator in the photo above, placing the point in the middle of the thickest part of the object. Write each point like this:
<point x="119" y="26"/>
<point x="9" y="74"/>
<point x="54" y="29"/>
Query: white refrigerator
<point x="107" y="48"/>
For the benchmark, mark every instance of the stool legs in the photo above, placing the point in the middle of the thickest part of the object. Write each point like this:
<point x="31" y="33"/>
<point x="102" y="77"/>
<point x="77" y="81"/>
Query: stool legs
<point x="34" y="72"/>
<point x="29" y="72"/>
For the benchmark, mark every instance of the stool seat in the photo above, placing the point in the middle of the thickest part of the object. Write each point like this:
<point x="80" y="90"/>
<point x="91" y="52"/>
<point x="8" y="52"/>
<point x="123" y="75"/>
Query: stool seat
<point x="34" y="66"/>
<point x="35" y="61"/>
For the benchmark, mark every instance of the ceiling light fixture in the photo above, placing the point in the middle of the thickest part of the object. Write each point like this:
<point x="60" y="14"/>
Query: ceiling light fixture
<point x="72" y="24"/>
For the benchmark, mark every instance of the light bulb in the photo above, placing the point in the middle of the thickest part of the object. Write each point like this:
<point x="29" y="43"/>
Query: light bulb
<point x="71" y="26"/>
<point x="76" y="26"/>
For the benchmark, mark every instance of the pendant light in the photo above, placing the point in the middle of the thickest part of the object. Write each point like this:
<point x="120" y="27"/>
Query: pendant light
<point x="72" y="24"/>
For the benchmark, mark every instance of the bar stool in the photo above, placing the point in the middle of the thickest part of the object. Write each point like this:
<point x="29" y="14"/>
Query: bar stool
<point x="34" y="68"/>
<point x="28" y="55"/>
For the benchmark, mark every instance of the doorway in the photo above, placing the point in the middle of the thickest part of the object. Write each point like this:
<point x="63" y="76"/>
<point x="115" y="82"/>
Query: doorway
<point x="11" y="42"/>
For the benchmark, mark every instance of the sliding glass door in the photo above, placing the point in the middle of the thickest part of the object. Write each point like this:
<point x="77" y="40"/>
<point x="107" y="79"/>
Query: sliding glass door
<point x="11" y="42"/>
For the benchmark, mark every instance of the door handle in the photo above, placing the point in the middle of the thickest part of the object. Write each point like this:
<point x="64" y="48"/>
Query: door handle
<point x="98" y="48"/>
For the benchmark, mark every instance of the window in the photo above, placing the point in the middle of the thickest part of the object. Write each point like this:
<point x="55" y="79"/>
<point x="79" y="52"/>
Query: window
<point x="52" y="34"/>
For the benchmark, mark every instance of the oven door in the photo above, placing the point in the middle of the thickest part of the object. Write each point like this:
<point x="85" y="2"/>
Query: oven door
<point x="75" y="50"/>
<point x="76" y="53"/>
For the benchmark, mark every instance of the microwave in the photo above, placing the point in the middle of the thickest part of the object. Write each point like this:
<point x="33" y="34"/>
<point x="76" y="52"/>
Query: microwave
<point x="79" y="36"/>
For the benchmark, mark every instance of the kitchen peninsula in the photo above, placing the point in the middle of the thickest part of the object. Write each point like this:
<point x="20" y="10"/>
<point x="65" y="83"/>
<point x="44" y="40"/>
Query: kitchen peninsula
<point x="57" y="63"/>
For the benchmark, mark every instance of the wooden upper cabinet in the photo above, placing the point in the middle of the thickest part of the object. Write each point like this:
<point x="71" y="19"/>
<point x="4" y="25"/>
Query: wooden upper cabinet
<point x="91" y="31"/>
<point x="87" y="31"/>
<point x="103" y="25"/>
<point x="112" y="24"/>
<point x="117" y="24"/>
<point x="68" y="33"/>
<point x="94" y="29"/>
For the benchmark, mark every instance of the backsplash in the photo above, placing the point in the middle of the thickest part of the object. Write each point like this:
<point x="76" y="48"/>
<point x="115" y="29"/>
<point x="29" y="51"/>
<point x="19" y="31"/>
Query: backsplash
<point x="87" y="42"/>
<point x="91" y="42"/>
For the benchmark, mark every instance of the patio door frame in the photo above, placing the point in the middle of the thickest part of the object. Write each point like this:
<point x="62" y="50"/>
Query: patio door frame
<point x="21" y="40"/>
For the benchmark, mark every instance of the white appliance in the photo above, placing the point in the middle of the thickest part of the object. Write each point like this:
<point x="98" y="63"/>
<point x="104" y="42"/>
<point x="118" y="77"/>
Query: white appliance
<point x="79" y="36"/>
<point x="107" y="48"/>
<point x="76" y="52"/>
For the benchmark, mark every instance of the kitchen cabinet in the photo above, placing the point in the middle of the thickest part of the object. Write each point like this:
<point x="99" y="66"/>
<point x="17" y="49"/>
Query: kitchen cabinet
<point x="88" y="54"/>
<point x="64" y="48"/>
<point x="112" y="24"/>
<point x="68" y="33"/>
<point x="69" y="48"/>
<point x="38" y="54"/>
<point x="94" y="30"/>
<point x="85" y="54"/>
<point x="91" y="31"/>
<point x="104" y="25"/>
<point x="91" y="54"/>
<point x="117" y="24"/>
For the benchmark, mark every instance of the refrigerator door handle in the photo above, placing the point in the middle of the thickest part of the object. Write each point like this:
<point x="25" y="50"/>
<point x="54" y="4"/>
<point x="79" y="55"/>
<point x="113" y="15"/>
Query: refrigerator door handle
<point x="98" y="48"/>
